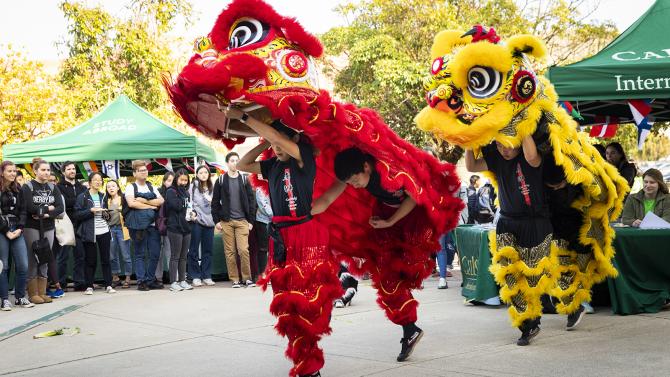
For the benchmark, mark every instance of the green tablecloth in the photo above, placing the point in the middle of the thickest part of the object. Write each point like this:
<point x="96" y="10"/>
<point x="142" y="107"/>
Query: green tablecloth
<point x="643" y="261"/>
<point x="473" y="251"/>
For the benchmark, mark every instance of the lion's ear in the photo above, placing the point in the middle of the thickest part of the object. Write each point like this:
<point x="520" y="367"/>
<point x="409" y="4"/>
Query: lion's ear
<point x="526" y="44"/>
<point x="445" y="41"/>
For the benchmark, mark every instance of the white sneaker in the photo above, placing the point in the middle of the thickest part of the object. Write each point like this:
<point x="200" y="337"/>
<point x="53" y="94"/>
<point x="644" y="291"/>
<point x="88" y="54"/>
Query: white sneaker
<point x="175" y="287"/>
<point x="5" y="306"/>
<point x="110" y="290"/>
<point x="588" y="308"/>
<point x="186" y="286"/>
<point x="339" y="303"/>
<point x="442" y="283"/>
<point x="208" y="282"/>
<point x="24" y="303"/>
<point x="250" y="284"/>
<point x="89" y="291"/>
<point x="197" y="283"/>
<point x="237" y="284"/>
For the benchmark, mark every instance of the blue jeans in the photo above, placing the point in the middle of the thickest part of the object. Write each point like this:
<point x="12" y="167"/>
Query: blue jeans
<point x="119" y="247"/>
<point x="148" y="247"/>
<point x="62" y="254"/>
<point x="202" y="238"/>
<point x="19" y="252"/>
<point x="445" y="256"/>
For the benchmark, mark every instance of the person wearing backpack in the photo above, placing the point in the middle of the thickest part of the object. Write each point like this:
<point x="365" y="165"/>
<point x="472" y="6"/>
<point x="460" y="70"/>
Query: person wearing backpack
<point x="485" y="204"/>
<point x="179" y="215"/>
<point x="234" y="212"/>
<point x="42" y="204"/>
<point x="472" y="198"/>
<point x="92" y="214"/>
<point x="143" y="202"/>
<point x="120" y="245"/>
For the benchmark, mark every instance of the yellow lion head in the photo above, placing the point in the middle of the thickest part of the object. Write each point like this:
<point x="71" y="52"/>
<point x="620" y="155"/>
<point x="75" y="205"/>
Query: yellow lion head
<point x="481" y="89"/>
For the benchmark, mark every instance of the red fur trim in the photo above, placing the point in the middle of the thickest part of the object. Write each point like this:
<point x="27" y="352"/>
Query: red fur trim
<point x="261" y="11"/>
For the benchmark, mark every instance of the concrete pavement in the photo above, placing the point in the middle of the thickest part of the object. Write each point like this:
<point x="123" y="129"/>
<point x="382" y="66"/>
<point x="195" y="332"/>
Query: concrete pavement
<point x="228" y="332"/>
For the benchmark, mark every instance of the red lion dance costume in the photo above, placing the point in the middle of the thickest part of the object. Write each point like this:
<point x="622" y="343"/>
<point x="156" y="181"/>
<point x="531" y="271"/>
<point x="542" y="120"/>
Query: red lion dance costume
<point x="260" y="61"/>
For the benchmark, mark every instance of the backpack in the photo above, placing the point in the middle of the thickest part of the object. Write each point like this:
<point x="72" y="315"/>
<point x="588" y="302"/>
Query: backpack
<point x="138" y="219"/>
<point x="161" y="218"/>
<point x="485" y="204"/>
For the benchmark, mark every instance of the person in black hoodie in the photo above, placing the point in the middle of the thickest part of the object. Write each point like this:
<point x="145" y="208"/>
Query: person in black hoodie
<point x="179" y="216"/>
<point x="70" y="187"/>
<point x="12" y="220"/>
<point x="42" y="201"/>
<point x="90" y="210"/>
<point x="234" y="212"/>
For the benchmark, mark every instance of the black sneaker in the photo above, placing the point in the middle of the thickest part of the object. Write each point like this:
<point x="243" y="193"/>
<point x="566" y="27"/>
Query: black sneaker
<point x="408" y="345"/>
<point x="142" y="286"/>
<point x="154" y="285"/>
<point x="575" y="318"/>
<point x="528" y="334"/>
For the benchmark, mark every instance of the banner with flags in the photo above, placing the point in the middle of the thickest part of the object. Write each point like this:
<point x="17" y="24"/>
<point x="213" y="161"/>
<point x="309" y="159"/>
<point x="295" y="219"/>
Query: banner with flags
<point x="605" y="127"/>
<point x="571" y="110"/>
<point x="165" y="162"/>
<point x="111" y="168"/>
<point x="87" y="167"/>
<point x="220" y="168"/>
<point x="187" y="166"/>
<point x="640" y="110"/>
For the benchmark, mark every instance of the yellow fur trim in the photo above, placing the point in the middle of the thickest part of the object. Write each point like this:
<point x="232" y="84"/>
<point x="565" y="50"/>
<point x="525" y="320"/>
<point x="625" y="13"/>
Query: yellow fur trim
<point x="521" y="272"/>
<point x="445" y="41"/>
<point x="527" y="44"/>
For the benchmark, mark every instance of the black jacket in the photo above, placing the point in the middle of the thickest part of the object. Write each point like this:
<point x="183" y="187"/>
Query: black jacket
<point x="70" y="193"/>
<point x="176" y="201"/>
<point x="221" y="199"/>
<point x="84" y="217"/>
<point x="12" y="208"/>
<point x="42" y="195"/>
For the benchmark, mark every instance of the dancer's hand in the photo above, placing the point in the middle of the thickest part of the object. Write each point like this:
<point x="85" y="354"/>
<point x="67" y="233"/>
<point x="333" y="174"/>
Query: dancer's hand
<point x="379" y="223"/>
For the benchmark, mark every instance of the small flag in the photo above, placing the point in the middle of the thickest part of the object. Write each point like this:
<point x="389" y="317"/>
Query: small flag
<point x="111" y="169"/>
<point x="188" y="167"/>
<point x="571" y="110"/>
<point x="220" y="168"/>
<point x="640" y="110"/>
<point x="29" y="169"/>
<point x="87" y="167"/>
<point x="605" y="127"/>
<point x="165" y="162"/>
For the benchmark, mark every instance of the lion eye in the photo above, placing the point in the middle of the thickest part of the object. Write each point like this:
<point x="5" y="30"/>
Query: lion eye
<point x="483" y="82"/>
<point x="246" y="32"/>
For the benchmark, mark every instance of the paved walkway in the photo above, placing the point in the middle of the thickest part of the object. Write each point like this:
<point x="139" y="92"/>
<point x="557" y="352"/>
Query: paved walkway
<point x="228" y="332"/>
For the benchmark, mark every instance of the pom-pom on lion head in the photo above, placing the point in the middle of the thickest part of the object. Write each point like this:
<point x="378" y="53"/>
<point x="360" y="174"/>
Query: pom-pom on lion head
<point x="481" y="88"/>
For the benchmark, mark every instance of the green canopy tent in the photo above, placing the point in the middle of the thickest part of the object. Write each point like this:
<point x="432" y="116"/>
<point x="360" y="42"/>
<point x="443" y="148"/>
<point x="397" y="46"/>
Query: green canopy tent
<point x="636" y="65"/>
<point x="122" y="131"/>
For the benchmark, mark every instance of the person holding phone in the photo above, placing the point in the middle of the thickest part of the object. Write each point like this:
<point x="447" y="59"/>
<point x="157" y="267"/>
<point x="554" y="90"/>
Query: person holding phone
<point x="92" y="214"/>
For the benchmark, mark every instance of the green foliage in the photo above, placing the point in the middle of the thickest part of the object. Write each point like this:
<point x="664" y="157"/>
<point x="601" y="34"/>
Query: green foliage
<point x="109" y="55"/>
<point x="386" y="46"/>
<point x="32" y="103"/>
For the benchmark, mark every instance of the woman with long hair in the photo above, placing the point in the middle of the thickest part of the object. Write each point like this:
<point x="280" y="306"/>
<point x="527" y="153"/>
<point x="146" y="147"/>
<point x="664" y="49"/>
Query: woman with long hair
<point x="653" y="198"/>
<point x="616" y="156"/>
<point x="12" y="221"/>
<point x="91" y="213"/>
<point x="179" y="215"/>
<point x="202" y="231"/>
<point x="43" y="203"/>
<point x="120" y="244"/>
<point x="164" y="259"/>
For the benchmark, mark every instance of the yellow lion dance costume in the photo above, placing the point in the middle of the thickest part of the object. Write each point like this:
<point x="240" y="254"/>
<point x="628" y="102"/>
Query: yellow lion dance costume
<point x="482" y="90"/>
